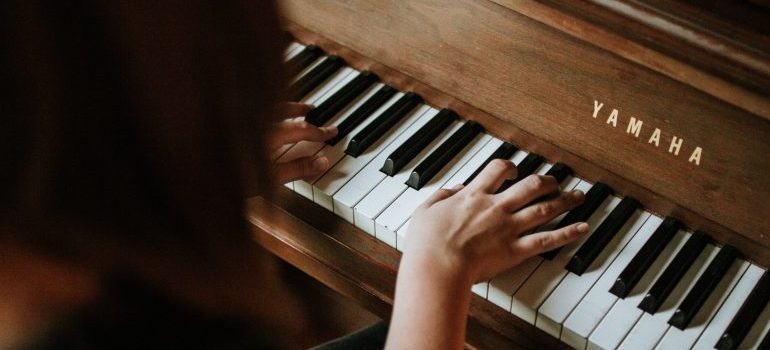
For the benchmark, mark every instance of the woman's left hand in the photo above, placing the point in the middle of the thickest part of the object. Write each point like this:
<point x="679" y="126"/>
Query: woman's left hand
<point x="293" y="130"/>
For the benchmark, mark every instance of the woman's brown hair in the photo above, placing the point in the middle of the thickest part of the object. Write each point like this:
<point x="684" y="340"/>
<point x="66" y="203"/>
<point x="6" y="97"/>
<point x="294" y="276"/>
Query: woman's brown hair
<point x="134" y="129"/>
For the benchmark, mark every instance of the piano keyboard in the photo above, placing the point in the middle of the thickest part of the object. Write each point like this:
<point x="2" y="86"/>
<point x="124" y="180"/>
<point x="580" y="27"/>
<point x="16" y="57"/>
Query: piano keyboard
<point x="636" y="281"/>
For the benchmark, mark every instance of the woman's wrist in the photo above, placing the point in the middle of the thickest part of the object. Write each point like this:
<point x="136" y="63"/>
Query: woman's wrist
<point x="440" y="269"/>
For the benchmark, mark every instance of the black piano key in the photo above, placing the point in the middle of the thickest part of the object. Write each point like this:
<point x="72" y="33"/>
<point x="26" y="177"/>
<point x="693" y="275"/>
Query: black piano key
<point x="602" y="236"/>
<point x="703" y="288"/>
<point x="747" y="315"/>
<point x="431" y="165"/>
<point x="526" y="167"/>
<point x="744" y="319"/>
<point x="315" y="77"/>
<point x="635" y="269"/>
<point x="560" y="171"/>
<point x="593" y="199"/>
<point x="361" y="113"/>
<point x="378" y="127"/>
<point x="505" y="151"/>
<point x="335" y="103"/>
<point x="674" y="272"/>
<point x="417" y="142"/>
<point x="303" y="59"/>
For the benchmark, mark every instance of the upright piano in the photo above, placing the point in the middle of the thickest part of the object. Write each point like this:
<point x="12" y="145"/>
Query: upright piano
<point x="658" y="109"/>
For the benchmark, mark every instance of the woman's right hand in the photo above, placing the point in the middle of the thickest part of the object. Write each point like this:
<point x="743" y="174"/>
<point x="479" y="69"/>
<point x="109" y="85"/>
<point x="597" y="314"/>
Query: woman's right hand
<point x="477" y="233"/>
<point x="464" y="235"/>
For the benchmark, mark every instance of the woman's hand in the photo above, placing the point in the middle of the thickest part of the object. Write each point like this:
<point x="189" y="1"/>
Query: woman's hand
<point x="291" y="131"/>
<point x="474" y="232"/>
<point x="463" y="235"/>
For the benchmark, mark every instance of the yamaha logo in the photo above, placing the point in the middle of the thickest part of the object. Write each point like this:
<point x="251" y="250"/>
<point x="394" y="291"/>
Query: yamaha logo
<point x="652" y="135"/>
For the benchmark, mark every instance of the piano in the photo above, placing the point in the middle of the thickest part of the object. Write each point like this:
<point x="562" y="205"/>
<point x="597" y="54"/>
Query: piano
<point x="658" y="109"/>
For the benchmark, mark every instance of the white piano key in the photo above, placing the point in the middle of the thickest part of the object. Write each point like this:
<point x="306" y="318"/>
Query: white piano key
<point x="650" y="328"/>
<point x="760" y="328"/>
<point x="624" y="313"/>
<point x="292" y="50"/>
<point x="684" y="339"/>
<point x="390" y="187"/>
<point x="400" y="240"/>
<point x="467" y="170"/>
<point x="348" y="166"/>
<point x="517" y="157"/>
<point x="566" y="296"/>
<point x="543" y="168"/>
<point x="329" y="86"/>
<point x="729" y="308"/>
<point x="504" y="285"/>
<point x="368" y="166"/>
<point x="599" y="300"/>
<point x="308" y="68"/>
<point x="550" y="272"/>
<point x="402" y="208"/>
<point x="480" y="289"/>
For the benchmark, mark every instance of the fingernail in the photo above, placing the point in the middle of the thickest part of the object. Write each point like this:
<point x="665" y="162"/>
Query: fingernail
<point x="320" y="164"/>
<point x="457" y="187"/>
<point x="582" y="227"/>
<point x="578" y="194"/>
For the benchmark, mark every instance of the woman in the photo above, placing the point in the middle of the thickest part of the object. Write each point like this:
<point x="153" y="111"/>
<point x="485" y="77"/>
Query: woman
<point x="135" y="130"/>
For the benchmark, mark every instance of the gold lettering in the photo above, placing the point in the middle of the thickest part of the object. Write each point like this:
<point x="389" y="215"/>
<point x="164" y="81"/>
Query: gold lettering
<point x="695" y="156"/>
<point x="634" y="126"/>
<point x="655" y="138"/>
<point x="676" y="144"/>
<point x="613" y="118"/>
<point x="597" y="107"/>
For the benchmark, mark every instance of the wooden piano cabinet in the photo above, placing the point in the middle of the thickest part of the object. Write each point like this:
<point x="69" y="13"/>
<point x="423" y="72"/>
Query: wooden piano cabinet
<point x="661" y="100"/>
<point x="701" y="152"/>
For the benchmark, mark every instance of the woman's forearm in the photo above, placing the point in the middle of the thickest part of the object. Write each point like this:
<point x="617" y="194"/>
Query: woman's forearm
<point x="431" y="307"/>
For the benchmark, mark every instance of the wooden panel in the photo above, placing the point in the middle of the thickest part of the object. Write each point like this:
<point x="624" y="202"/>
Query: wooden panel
<point x="726" y="58"/>
<point x="356" y="265"/>
<point x="537" y="85"/>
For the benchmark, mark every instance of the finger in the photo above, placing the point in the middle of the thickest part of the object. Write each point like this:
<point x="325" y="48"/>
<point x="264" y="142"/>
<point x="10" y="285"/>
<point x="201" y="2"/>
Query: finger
<point x="296" y="109"/>
<point x="305" y="168"/>
<point x="442" y="194"/>
<point x="493" y="175"/>
<point x="527" y="190"/>
<point x="295" y="130"/>
<point x="542" y="212"/>
<point x="536" y="243"/>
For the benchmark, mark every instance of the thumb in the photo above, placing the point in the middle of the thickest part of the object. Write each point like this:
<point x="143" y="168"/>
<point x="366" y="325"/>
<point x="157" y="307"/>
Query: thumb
<point x="305" y="168"/>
